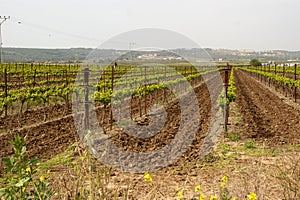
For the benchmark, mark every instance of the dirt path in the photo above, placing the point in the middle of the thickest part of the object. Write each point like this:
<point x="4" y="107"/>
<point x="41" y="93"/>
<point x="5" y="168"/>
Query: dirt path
<point x="171" y="128"/>
<point x="266" y="116"/>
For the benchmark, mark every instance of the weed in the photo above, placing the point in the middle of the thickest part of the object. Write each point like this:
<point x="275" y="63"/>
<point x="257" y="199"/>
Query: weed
<point x="20" y="180"/>
<point x="209" y="158"/>
<point x="250" y="144"/>
<point x="234" y="137"/>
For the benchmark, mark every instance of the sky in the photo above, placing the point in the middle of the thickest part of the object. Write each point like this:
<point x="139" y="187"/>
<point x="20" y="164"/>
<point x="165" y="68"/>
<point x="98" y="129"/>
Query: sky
<point x="229" y="24"/>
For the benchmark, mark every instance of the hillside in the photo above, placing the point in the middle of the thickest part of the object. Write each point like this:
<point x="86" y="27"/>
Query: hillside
<point x="79" y="54"/>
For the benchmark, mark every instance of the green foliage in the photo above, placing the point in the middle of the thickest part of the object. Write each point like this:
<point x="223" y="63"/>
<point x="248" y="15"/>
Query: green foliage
<point x="40" y="91"/>
<point x="255" y="63"/>
<point x="282" y="69"/>
<point x="233" y="137"/>
<point x="209" y="158"/>
<point x="250" y="144"/>
<point x="281" y="79"/>
<point x="105" y="97"/>
<point x="231" y="92"/>
<point x="39" y="94"/>
<point x="19" y="180"/>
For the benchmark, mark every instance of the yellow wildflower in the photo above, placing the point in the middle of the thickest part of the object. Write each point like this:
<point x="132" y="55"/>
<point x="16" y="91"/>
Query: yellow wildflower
<point x="48" y="171"/>
<point x="213" y="197"/>
<point x="148" y="178"/>
<point x="197" y="188"/>
<point x="251" y="196"/>
<point x="23" y="189"/>
<point x="28" y="170"/>
<point x="234" y="198"/>
<point x="81" y="158"/>
<point x="202" y="197"/>
<point x="223" y="185"/>
<point x="42" y="178"/>
<point x="224" y="179"/>
<point x="180" y="194"/>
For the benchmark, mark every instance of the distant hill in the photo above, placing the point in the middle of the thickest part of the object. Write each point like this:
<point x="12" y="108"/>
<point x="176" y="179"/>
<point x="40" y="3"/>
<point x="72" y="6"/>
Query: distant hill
<point x="44" y="55"/>
<point x="80" y="54"/>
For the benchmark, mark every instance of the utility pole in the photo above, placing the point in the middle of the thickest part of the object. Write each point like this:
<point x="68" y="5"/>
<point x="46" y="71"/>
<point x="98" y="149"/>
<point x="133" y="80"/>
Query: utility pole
<point x="3" y="19"/>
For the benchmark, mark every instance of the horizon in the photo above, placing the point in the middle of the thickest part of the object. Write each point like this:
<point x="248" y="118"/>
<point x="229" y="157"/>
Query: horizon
<point x="67" y="48"/>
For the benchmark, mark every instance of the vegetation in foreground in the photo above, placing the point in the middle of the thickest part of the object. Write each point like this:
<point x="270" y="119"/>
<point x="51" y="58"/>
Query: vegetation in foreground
<point x="79" y="176"/>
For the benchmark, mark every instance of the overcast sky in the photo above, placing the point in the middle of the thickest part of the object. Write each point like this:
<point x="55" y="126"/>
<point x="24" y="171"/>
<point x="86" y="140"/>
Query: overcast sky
<point x="232" y="24"/>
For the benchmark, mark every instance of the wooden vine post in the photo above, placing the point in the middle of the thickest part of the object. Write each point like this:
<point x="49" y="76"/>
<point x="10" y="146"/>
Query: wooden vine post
<point x="5" y="89"/>
<point x="165" y="72"/>
<point x="23" y="73"/>
<point x="226" y="106"/>
<point x="269" y="80"/>
<point x="295" y="77"/>
<point x="145" y="85"/>
<point x="261" y="76"/>
<point x="86" y="73"/>
<point x="112" y="87"/>
<point x="66" y="76"/>
<point x="34" y="77"/>
<point x="47" y="76"/>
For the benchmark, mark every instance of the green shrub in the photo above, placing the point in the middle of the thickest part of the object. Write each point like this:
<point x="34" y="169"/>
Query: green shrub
<point x="20" y="180"/>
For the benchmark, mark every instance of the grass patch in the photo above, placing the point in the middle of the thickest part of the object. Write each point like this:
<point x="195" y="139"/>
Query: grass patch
<point x="293" y="148"/>
<point x="227" y="153"/>
<point x="234" y="137"/>
<point x="64" y="158"/>
<point x="250" y="144"/>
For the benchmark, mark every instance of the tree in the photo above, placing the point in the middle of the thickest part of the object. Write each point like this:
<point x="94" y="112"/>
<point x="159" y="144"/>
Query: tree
<point x="255" y="63"/>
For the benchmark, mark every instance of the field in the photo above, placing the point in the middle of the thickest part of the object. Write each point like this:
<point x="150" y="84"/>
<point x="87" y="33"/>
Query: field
<point x="259" y="153"/>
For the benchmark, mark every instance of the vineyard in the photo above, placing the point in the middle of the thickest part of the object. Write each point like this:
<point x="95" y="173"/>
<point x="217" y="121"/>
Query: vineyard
<point x="285" y="79"/>
<point x="42" y="102"/>
<point x="45" y="105"/>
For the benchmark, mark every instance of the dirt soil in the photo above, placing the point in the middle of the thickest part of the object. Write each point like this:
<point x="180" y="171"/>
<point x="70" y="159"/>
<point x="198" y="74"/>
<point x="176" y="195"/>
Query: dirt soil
<point x="45" y="139"/>
<point x="267" y="118"/>
<point x="34" y="116"/>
